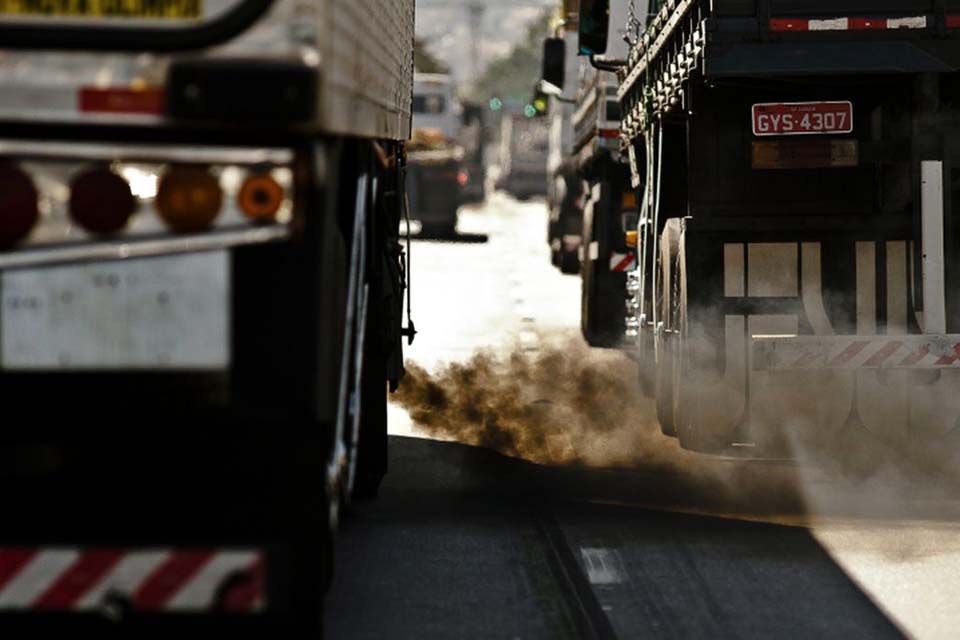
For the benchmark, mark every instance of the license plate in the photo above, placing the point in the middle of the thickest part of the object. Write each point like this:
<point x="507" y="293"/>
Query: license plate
<point x="139" y="9"/>
<point x="802" y="118"/>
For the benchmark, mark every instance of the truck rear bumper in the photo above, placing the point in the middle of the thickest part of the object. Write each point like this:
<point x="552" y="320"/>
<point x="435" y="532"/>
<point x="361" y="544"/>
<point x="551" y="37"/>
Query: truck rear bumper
<point x="806" y="353"/>
<point x="115" y="581"/>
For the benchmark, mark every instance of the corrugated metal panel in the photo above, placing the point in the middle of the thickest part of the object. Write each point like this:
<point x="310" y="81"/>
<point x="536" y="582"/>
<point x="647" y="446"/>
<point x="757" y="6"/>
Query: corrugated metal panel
<point x="363" y="50"/>
<point x="368" y="67"/>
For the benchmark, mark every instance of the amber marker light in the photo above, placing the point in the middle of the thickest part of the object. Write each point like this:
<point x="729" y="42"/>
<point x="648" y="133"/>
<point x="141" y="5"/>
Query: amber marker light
<point x="19" y="208"/>
<point x="260" y="198"/>
<point x="101" y="201"/>
<point x="189" y="199"/>
<point x="631" y="238"/>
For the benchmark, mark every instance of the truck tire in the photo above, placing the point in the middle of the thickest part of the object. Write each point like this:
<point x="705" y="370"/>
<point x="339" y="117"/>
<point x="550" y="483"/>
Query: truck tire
<point x="664" y="382"/>
<point x="289" y="323"/>
<point x="646" y="365"/>
<point x="700" y="422"/>
<point x="382" y="339"/>
<point x="569" y="262"/>
<point x="602" y="310"/>
<point x="372" y="451"/>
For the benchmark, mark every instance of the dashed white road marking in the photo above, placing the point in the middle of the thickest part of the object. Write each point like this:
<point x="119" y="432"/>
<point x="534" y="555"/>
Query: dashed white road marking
<point x="529" y="339"/>
<point x="602" y="564"/>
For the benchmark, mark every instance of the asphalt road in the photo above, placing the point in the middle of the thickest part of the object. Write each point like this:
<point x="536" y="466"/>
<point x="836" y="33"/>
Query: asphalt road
<point x="464" y="543"/>
<point x="629" y="538"/>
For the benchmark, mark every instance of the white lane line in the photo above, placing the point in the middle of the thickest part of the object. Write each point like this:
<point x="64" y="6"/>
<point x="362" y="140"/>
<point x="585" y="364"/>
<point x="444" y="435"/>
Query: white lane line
<point x="602" y="565"/>
<point x="529" y="340"/>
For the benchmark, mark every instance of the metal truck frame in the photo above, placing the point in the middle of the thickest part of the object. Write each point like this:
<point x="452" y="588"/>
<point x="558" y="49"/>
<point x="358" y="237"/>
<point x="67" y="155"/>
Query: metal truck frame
<point x="157" y="484"/>
<point x="565" y="197"/>
<point x="796" y="290"/>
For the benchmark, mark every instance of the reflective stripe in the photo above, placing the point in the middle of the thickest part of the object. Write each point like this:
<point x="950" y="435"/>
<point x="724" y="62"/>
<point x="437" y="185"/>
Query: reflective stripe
<point x="12" y="561"/>
<point x="199" y="592"/>
<point x="169" y="578"/>
<point x="779" y="353"/>
<point x="63" y="580"/>
<point x="125" y="577"/>
<point x="622" y="261"/>
<point x="36" y="577"/>
<point x="915" y="22"/>
<point x="70" y="586"/>
<point x="834" y="24"/>
<point x="852" y="24"/>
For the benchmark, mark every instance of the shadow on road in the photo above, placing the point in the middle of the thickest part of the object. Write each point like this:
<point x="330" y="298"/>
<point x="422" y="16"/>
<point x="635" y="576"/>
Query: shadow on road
<point x="454" y="549"/>
<point x="464" y="238"/>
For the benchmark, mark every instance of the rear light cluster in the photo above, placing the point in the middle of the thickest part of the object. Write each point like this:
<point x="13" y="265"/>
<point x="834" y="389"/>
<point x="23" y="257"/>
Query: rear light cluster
<point x="187" y="198"/>
<point x="19" y="207"/>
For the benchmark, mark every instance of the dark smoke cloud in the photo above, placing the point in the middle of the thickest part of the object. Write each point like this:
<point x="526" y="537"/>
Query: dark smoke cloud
<point x="558" y="405"/>
<point x="571" y="406"/>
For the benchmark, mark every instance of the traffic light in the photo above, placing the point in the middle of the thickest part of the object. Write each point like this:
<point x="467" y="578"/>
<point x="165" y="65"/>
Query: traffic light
<point x="538" y="105"/>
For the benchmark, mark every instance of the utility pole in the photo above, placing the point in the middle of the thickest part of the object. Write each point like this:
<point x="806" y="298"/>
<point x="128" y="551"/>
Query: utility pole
<point x="476" y="11"/>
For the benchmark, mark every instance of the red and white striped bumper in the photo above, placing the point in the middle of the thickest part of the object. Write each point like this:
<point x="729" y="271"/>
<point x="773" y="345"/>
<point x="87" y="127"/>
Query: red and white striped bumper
<point x="844" y="23"/>
<point x="196" y="580"/>
<point x="778" y="353"/>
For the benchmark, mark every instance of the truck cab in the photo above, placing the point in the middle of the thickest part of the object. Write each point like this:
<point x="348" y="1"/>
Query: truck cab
<point x="434" y="171"/>
<point x="523" y="155"/>
<point x="610" y="206"/>
<point x="565" y="196"/>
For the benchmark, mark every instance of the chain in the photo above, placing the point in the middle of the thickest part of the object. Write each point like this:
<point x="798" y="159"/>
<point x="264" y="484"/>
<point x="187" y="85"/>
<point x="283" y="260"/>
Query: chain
<point x="633" y="25"/>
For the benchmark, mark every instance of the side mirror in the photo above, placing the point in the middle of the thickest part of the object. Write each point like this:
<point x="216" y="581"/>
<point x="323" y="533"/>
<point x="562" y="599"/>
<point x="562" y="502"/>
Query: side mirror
<point x="554" y="61"/>
<point x="593" y="26"/>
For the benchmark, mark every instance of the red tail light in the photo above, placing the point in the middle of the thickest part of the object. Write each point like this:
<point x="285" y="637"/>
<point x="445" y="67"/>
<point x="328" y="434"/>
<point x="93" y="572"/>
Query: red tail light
<point x="18" y="205"/>
<point x="101" y="201"/>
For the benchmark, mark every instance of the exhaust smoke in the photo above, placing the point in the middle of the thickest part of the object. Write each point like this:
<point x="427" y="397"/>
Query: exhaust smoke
<point x="568" y="405"/>
<point x="562" y="404"/>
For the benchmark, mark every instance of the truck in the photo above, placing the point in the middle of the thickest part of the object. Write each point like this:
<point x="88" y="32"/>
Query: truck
<point x="201" y="287"/>
<point x="607" y="202"/>
<point x="796" y="164"/>
<point x="473" y="139"/>
<point x="523" y="155"/>
<point x="565" y="194"/>
<point x="435" y="168"/>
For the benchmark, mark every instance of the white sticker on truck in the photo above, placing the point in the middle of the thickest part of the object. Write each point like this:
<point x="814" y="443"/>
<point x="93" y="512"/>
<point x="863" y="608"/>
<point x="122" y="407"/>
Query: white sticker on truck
<point x="158" y="313"/>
